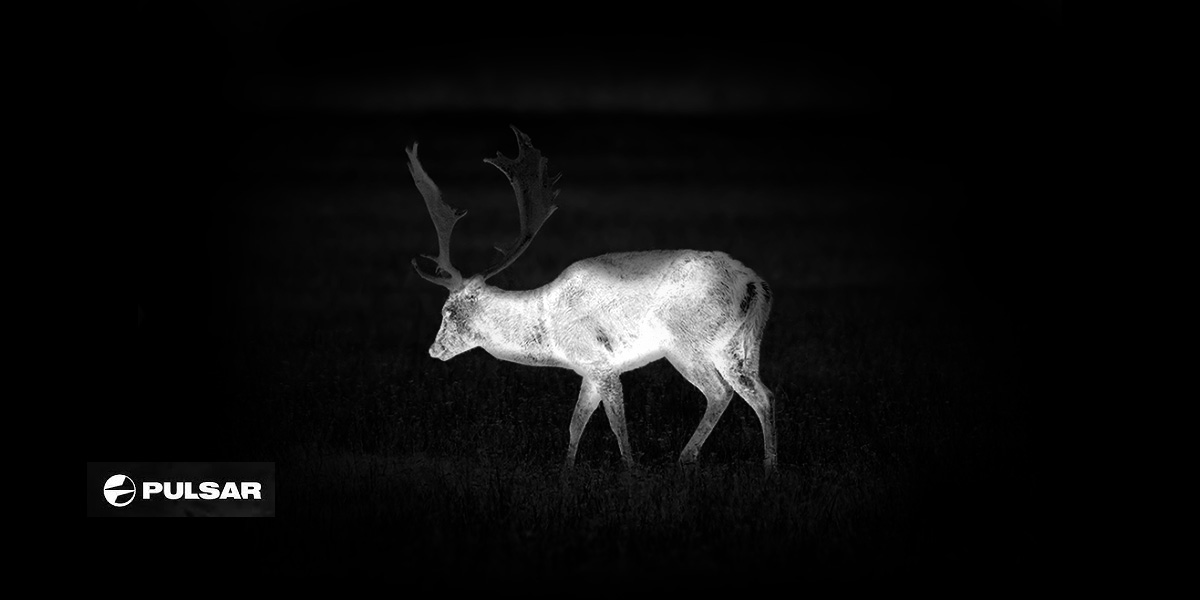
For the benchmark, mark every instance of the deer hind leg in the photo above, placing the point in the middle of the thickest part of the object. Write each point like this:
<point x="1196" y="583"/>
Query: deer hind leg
<point x="589" y="398"/>
<point x="738" y="364"/>
<point x="702" y="374"/>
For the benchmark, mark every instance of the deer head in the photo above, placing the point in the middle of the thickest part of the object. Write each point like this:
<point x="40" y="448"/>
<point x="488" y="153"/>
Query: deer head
<point x="535" y="196"/>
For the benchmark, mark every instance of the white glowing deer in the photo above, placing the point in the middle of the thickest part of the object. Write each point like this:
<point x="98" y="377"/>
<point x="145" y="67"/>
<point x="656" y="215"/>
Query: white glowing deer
<point x="703" y="311"/>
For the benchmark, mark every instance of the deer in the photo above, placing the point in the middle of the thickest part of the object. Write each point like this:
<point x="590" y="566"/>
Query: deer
<point x="702" y="311"/>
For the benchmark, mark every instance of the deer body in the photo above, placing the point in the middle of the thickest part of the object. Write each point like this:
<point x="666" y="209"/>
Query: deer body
<point x="702" y="311"/>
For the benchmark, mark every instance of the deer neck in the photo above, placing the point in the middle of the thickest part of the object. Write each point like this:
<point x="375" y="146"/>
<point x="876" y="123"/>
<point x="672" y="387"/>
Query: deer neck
<point x="515" y="328"/>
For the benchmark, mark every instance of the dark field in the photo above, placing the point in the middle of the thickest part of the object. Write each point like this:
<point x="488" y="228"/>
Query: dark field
<point x="904" y="240"/>
<point x="902" y="392"/>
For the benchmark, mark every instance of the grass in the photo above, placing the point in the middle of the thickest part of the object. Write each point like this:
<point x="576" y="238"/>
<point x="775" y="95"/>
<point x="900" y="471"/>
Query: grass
<point x="902" y="400"/>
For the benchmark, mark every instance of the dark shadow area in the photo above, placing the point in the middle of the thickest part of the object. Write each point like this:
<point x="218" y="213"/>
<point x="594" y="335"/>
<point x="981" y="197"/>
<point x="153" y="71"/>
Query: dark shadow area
<point x="891" y="175"/>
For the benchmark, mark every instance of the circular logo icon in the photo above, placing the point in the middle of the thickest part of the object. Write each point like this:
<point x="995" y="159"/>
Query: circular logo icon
<point x="119" y="490"/>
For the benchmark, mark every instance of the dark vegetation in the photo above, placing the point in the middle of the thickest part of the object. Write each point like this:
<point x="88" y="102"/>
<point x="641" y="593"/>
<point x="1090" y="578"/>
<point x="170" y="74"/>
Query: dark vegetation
<point x="903" y="395"/>
<point x="282" y="322"/>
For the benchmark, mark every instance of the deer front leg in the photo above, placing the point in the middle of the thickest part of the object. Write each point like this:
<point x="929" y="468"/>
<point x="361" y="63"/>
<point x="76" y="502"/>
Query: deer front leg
<point x="614" y="407"/>
<point x="589" y="397"/>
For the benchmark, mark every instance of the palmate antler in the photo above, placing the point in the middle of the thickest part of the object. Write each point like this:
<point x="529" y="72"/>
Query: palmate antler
<point x="444" y="217"/>
<point x="535" y="197"/>
<point x="535" y="203"/>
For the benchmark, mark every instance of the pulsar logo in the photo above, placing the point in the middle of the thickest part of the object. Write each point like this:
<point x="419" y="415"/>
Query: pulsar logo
<point x="119" y="490"/>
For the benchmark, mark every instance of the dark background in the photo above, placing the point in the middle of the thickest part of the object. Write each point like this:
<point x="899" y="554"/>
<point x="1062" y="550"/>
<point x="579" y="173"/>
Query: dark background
<point x="889" y="172"/>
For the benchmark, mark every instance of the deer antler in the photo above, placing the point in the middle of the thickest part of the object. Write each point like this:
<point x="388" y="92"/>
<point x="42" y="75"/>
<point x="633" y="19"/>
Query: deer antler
<point x="535" y="197"/>
<point x="444" y="216"/>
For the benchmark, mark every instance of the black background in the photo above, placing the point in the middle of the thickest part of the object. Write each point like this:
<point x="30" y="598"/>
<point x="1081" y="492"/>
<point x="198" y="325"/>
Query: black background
<point x="958" y="104"/>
